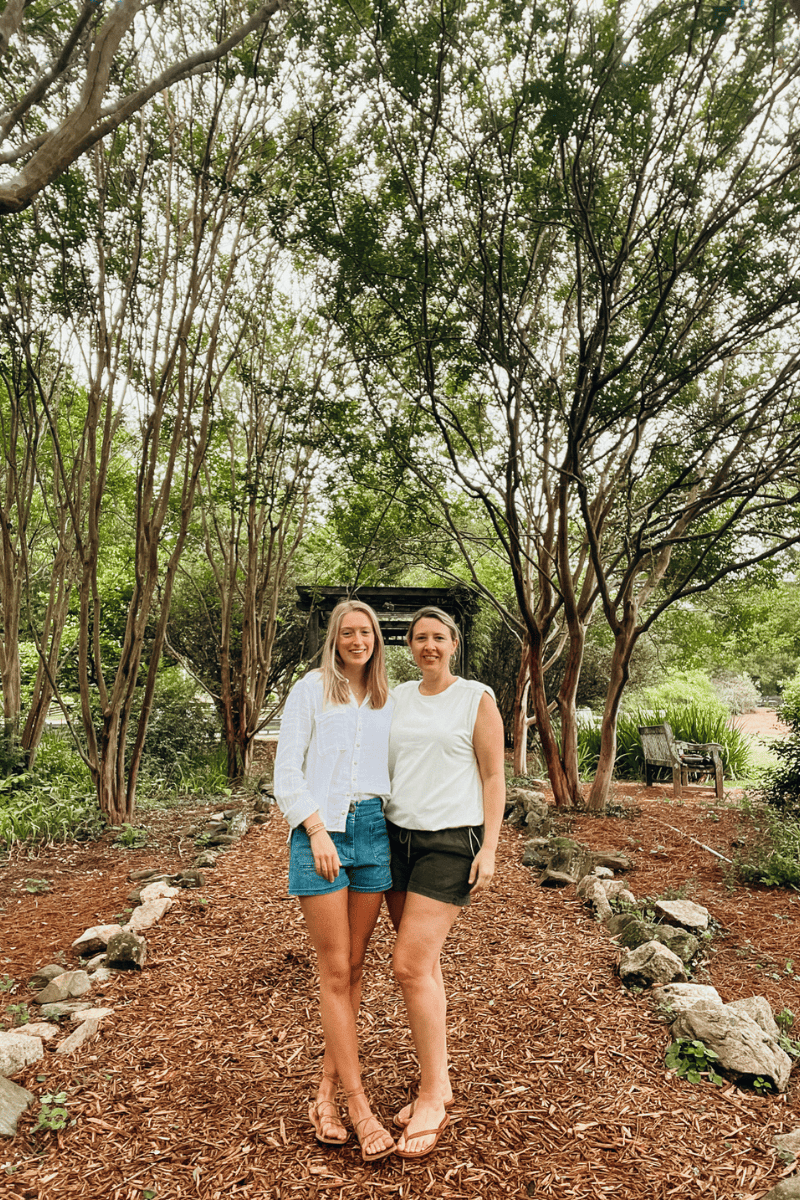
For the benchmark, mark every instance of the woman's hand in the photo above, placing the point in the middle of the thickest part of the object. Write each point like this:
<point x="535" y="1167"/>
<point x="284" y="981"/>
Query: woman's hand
<point x="326" y="858"/>
<point x="482" y="871"/>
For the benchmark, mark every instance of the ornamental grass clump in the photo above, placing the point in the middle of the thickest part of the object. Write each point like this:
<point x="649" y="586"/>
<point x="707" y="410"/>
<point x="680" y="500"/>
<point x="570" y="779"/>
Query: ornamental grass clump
<point x="693" y="722"/>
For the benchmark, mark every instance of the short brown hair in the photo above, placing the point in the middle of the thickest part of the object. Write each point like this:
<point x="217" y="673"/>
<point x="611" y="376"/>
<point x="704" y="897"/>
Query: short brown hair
<point x="436" y="614"/>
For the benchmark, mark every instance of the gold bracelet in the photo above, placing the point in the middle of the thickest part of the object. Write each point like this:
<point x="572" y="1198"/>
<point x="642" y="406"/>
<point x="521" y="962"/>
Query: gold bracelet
<point x="314" y="828"/>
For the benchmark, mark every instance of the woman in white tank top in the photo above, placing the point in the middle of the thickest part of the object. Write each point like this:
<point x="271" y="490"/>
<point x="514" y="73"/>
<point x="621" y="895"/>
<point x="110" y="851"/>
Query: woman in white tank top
<point x="443" y="819"/>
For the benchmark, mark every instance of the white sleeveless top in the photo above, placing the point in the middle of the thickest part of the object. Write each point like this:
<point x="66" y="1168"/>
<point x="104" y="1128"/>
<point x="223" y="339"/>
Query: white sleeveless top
<point x="434" y="774"/>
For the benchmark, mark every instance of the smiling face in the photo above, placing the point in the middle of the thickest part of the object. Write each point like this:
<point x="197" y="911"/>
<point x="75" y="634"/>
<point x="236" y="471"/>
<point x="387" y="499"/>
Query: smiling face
<point x="432" y="645"/>
<point x="355" y="640"/>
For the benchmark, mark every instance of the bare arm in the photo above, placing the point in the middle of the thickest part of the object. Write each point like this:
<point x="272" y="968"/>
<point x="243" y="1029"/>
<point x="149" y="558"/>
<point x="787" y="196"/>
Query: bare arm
<point x="488" y="742"/>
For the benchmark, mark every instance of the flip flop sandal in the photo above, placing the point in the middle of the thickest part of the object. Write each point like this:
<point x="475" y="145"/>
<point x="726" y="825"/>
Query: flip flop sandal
<point x="380" y="1153"/>
<point x="424" y="1133"/>
<point x="402" y="1124"/>
<point x="316" y="1118"/>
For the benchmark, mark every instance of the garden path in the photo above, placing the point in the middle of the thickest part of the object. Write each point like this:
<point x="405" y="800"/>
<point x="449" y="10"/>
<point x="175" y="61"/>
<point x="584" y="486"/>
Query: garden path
<point x="199" y="1086"/>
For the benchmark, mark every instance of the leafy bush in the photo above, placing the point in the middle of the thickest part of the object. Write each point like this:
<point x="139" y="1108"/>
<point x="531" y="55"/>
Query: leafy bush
<point x="769" y="852"/>
<point x="737" y="692"/>
<point x="56" y="802"/>
<point x="181" y="728"/>
<point x="689" y="723"/>
<point x="679" y="689"/>
<point x="779" y="786"/>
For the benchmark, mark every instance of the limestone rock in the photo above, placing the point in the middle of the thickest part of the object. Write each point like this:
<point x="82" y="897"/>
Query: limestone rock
<point x="148" y="914"/>
<point x="613" y="887"/>
<point x="126" y="951"/>
<point x="745" y="1050"/>
<point x="94" y="1014"/>
<point x="788" y="1143"/>
<point x="102" y="975"/>
<point x="62" y="1008"/>
<point x="758" y="1007"/>
<point x="678" y="997"/>
<point x="550" y="878"/>
<point x="682" y="912"/>
<point x="145" y="873"/>
<point x="592" y="891"/>
<point x="525" y="807"/>
<point x="206" y="859"/>
<point x="94" y="963"/>
<point x="13" y="1102"/>
<point x="40" y="1029"/>
<point x="680" y="941"/>
<point x="603" y="872"/>
<point x="94" y="939"/>
<point x="190" y="878"/>
<point x="239" y="825"/>
<point x="621" y="921"/>
<point x="787" y="1189"/>
<point x="18" y="1051"/>
<point x="62" y="987"/>
<point x="158" y="891"/>
<point x="85" y="1032"/>
<point x="221" y="839"/>
<point x="650" y="963"/>
<point x="42" y="978"/>
<point x="263" y="804"/>
<point x="617" y="860"/>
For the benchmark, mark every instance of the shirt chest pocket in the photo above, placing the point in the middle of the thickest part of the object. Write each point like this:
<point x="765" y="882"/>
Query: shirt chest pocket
<point x="334" y="731"/>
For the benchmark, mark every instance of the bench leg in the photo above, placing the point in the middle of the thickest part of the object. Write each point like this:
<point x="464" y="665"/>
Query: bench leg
<point x="676" y="782"/>
<point x="718" y="780"/>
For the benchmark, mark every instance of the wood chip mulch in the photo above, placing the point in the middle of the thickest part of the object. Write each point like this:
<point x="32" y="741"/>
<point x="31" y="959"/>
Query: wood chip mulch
<point x="199" y="1085"/>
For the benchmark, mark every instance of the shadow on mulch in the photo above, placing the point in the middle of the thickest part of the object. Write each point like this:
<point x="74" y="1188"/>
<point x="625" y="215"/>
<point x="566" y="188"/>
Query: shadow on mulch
<point x="200" y="1084"/>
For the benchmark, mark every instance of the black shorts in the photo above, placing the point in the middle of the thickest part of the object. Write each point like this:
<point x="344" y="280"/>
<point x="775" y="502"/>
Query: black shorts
<point x="434" y="863"/>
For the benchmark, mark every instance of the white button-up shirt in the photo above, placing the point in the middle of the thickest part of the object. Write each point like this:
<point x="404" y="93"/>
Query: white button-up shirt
<point x="329" y="754"/>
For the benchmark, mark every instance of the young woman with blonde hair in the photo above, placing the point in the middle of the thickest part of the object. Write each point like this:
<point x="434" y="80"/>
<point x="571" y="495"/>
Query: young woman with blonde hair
<point x="331" y="783"/>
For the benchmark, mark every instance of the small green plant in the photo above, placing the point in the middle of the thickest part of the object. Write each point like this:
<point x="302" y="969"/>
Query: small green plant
<point x="693" y="1060"/>
<point x="130" y="838"/>
<point x="37" y="886"/>
<point x="53" y="1114"/>
<point x="763" y="1086"/>
<point x="18" y="1014"/>
<point x="7" y="984"/>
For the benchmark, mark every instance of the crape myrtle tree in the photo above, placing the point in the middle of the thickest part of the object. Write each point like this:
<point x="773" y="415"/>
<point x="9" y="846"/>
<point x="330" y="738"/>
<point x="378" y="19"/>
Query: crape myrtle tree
<point x="569" y="235"/>
<point x="254" y="496"/>
<point x="68" y="76"/>
<point x="149" y="298"/>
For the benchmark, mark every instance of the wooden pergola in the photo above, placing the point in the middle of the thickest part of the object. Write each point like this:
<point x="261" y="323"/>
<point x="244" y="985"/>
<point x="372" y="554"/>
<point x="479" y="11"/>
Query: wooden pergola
<point x="394" y="607"/>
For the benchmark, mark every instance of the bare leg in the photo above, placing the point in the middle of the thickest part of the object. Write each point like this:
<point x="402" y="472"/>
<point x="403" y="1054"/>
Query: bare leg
<point x="328" y="920"/>
<point x="423" y="926"/>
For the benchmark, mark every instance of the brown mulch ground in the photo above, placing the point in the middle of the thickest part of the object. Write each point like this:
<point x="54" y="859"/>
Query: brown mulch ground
<point x="199" y="1086"/>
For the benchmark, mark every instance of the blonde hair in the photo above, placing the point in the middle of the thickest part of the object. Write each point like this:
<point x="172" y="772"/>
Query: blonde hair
<point x="335" y="685"/>
<point x="435" y="614"/>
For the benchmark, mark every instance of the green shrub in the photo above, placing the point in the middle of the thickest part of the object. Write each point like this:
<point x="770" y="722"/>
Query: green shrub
<point x="769" y="852"/>
<point x="55" y="802"/>
<point x="779" y="786"/>
<point x="181" y="729"/>
<point x="689" y="723"/>
<point x="737" y="692"/>
<point x="680" y="689"/>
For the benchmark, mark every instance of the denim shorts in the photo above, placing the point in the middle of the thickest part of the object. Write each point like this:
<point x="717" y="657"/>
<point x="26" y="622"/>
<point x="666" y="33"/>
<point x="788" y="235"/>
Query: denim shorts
<point x="434" y="863"/>
<point x="363" y="850"/>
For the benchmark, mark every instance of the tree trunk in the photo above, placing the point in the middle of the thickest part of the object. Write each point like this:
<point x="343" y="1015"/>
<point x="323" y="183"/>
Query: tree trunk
<point x="624" y="643"/>
<point x="564" y="792"/>
<point x="520" y="719"/>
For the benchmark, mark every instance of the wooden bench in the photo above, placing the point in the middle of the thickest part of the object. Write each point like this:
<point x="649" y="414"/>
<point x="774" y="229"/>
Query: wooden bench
<point x="662" y="750"/>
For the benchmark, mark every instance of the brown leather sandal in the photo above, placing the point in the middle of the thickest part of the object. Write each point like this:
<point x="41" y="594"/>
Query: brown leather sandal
<point x="357" y="1127"/>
